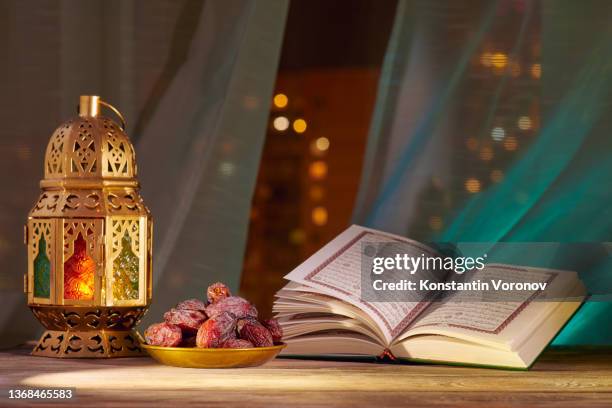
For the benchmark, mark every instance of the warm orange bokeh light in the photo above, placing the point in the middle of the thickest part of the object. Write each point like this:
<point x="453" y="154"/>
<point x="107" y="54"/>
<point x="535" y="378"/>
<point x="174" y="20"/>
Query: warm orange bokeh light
<point x="510" y="144"/>
<point x="299" y="125"/>
<point x="318" y="170"/>
<point x="536" y="71"/>
<point x="319" y="216"/>
<point x="280" y="100"/>
<point x="472" y="185"/>
<point x="499" y="60"/>
<point x="486" y="153"/>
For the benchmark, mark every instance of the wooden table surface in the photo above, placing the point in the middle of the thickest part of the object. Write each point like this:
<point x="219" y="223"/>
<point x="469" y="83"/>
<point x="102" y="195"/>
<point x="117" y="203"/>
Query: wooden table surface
<point x="560" y="378"/>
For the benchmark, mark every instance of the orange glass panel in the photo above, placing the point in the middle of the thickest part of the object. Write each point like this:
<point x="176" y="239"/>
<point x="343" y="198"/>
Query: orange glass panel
<point x="79" y="272"/>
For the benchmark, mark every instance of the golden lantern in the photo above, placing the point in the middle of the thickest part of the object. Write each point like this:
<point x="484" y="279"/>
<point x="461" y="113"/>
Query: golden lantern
<point x="89" y="240"/>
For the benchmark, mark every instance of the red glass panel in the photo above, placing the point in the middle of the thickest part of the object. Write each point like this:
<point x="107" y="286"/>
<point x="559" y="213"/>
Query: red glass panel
<point x="79" y="273"/>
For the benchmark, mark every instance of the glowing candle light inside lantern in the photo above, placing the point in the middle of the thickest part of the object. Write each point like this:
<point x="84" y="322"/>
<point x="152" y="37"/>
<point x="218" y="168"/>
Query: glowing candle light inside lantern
<point x="79" y="271"/>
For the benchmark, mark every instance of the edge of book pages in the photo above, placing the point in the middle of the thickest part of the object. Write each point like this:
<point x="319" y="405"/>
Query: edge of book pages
<point x="402" y="360"/>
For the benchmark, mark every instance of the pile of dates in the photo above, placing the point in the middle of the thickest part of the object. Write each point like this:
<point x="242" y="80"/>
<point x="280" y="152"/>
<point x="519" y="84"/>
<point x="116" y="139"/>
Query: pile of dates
<point x="223" y="321"/>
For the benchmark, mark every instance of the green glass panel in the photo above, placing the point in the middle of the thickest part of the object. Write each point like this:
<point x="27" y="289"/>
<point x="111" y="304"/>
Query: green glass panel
<point x="125" y="271"/>
<point x="42" y="271"/>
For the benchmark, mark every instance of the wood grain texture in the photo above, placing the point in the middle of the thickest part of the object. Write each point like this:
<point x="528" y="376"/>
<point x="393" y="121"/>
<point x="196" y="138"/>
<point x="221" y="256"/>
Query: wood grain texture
<point x="561" y="378"/>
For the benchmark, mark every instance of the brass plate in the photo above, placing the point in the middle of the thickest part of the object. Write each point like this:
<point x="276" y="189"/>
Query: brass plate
<point x="193" y="357"/>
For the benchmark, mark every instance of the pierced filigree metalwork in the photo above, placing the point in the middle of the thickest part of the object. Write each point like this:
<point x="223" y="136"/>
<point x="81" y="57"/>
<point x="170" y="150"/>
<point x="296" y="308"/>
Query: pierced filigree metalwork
<point x="88" y="344"/>
<point x="47" y="203"/>
<point x="89" y="203"/>
<point x="42" y="229"/>
<point x="53" y="162"/>
<point x="73" y="332"/>
<point x="83" y="158"/>
<point x="87" y="229"/>
<point x="119" y="153"/>
<point x="89" y="240"/>
<point x="90" y="147"/>
<point x="93" y="318"/>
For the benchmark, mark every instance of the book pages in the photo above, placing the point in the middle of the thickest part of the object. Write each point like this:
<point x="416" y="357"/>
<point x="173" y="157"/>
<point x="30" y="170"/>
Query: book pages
<point x="336" y="271"/>
<point x="481" y="311"/>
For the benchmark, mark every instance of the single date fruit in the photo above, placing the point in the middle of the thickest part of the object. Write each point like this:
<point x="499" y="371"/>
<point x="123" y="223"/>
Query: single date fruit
<point x="256" y="333"/>
<point x="192" y="304"/>
<point x="274" y="328"/>
<point x="216" y="292"/>
<point x="235" y="305"/>
<point x="237" y="343"/>
<point x="216" y="331"/>
<point x="163" y="334"/>
<point x="188" y="320"/>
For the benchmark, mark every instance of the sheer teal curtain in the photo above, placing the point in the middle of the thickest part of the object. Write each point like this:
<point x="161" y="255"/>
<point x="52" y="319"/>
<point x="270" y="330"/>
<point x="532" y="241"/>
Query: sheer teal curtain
<point x="493" y="124"/>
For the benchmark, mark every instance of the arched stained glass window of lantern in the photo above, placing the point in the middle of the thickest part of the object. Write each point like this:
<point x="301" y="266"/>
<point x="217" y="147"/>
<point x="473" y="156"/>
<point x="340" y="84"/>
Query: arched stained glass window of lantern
<point x="89" y="240"/>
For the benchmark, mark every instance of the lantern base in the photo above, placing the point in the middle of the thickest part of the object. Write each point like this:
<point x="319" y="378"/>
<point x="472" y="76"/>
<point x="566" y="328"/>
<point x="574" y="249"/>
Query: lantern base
<point x="88" y="344"/>
<point x="88" y="331"/>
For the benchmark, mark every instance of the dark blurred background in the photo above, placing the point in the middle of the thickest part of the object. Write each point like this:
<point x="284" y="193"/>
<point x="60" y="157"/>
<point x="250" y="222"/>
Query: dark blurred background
<point x="320" y="115"/>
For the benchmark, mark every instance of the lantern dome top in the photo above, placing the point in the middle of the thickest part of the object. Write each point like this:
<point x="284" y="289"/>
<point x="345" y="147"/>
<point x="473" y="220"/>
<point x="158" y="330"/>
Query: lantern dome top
<point x="90" y="150"/>
<point x="90" y="168"/>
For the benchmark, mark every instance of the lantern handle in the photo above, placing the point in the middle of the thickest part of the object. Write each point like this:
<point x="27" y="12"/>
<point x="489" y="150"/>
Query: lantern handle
<point x="115" y="110"/>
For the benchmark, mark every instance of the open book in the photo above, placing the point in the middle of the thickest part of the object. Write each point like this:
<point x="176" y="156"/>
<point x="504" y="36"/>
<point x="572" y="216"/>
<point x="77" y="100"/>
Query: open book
<point x="322" y="312"/>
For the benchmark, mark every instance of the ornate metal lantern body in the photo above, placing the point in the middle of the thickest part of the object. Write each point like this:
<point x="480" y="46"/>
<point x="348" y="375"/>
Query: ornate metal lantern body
<point x="89" y="240"/>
